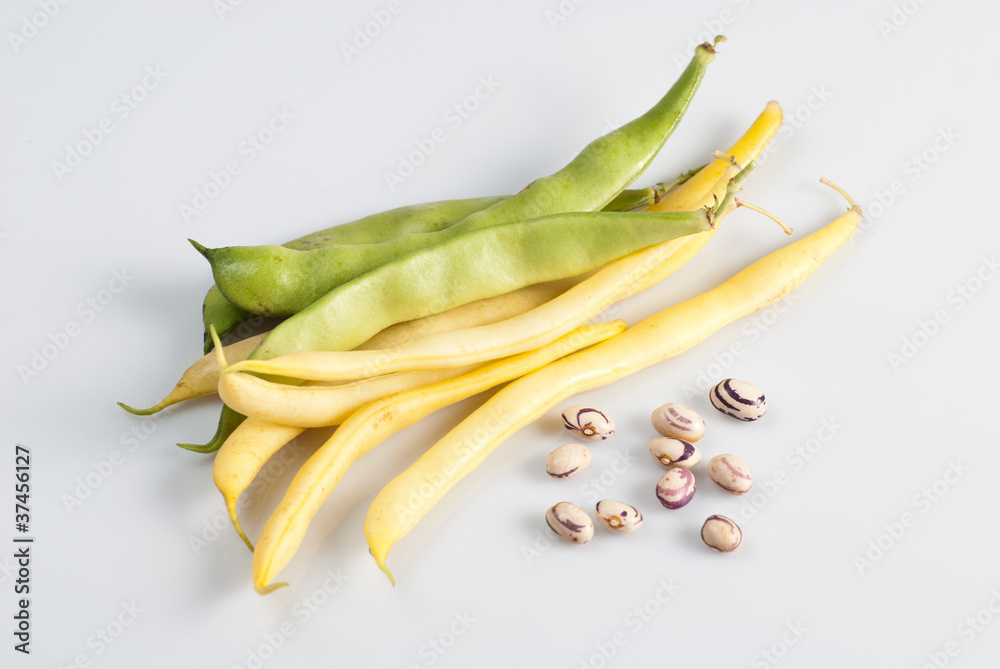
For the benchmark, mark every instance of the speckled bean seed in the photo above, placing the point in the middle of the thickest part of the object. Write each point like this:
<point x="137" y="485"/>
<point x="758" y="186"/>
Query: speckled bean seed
<point x="738" y="399"/>
<point x="567" y="460"/>
<point x="730" y="473"/>
<point x="675" y="488"/>
<point x="618" y="516"/>
<point x="671" y="452"/>
<point x="587" y="423"/>
<point x="570" y="522"/>
<point x="678" y="421"/>
<point x="722" y="534"/>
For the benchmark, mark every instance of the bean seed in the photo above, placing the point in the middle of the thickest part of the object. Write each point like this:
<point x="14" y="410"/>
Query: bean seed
<point x="567" y="460"/>
<point x="722" y="534"/>
<point x="730" y="473"/>
<point x="618" y="516"/>
<point x="739" y="399"/>
<point x="675" y="488"/>
<point x="570" y="522"/>
<point x="587" y="423"/>
<point x="678" y="421"/>
<point x="671" y="452"/>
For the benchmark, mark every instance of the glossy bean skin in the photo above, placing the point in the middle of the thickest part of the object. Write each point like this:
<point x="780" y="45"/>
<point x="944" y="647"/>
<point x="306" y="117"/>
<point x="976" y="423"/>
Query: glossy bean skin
<point x="721" y="534"/>
<point x="730" y="473"/>
<point x="617" y="516"/>
<point x="571" y="523"/>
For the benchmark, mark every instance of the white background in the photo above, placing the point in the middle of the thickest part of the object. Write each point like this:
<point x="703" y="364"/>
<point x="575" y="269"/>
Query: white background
<point x="867" y="88"/>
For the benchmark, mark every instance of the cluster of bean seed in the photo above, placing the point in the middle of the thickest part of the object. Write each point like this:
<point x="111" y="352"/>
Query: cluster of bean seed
<point x="680" y="426"/>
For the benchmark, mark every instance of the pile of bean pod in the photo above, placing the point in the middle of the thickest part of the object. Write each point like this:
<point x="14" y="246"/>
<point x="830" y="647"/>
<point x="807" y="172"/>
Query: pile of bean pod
<point x="384" y="320"/>
<point x="680" y="426"/>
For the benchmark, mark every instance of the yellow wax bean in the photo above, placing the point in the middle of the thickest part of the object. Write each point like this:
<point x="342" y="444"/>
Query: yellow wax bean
<point x="243" y="455"/>
<point x="373" y="424"/>
<point x="202" y="378"/>
<point x="252" y="444"/>
<point x="320" y="406"/>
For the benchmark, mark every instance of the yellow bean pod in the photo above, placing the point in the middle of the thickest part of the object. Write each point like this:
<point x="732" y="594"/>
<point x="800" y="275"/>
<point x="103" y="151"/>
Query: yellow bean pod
<point x="395" y="510"/>
<point x="202" y="377"/>
<point x="243" y="455"/>
<point x="373" y="424"/>
<point x="320" y="406"/>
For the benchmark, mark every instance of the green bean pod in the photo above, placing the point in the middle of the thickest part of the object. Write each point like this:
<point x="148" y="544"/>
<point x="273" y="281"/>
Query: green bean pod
<point x="281" y="281"/>
<point x="225" y="316"/>
<point x="589" y="182"/>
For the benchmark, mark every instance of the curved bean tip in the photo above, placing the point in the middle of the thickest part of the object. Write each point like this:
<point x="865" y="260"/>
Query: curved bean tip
<point x="220" y="355"/>
<point x="210" y="447"/>
<point x="763" y="212"/>
<point x="139" y="412"/>
<point x="204" y="250"/>
<point x="850" y="200"/>
<point x="268" y="589"/>
<point x="719" y="155"/>
<point x="231" y="507"/>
